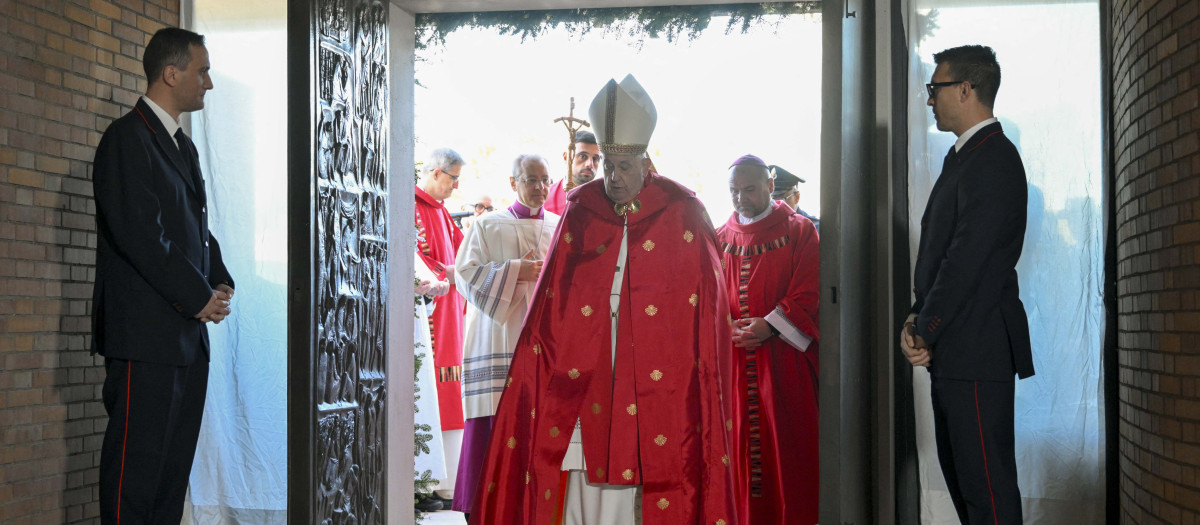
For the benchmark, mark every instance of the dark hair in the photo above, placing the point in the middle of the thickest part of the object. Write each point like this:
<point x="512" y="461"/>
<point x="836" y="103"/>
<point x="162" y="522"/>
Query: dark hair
<point x="585" y="137"/>
<point x="170" y="46"/>
<point x="977" y="65"/>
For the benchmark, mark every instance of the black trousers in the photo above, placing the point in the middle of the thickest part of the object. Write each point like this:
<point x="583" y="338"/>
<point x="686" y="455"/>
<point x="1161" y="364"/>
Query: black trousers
<point x="973" y="425"/>
<point x="154" y="414"/>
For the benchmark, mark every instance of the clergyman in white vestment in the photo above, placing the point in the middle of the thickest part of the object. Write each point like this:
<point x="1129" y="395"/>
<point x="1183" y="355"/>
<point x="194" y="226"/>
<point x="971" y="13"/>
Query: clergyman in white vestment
<point x="497" y="266"/>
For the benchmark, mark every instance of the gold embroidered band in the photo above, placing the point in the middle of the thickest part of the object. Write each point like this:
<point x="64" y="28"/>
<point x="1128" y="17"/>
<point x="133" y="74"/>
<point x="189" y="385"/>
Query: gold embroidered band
<point x="609" y="148"/>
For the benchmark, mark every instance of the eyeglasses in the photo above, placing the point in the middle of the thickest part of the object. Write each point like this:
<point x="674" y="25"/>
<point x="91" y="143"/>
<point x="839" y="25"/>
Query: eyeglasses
<point x="535" y="182"/>
<point x="484" y="207"/>
<point x="784" y="196"/>
<point x="932" y="87"/>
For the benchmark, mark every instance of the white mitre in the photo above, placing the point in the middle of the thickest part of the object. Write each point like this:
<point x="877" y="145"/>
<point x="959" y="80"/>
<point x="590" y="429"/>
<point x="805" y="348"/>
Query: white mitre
<point x="623" y="117"/>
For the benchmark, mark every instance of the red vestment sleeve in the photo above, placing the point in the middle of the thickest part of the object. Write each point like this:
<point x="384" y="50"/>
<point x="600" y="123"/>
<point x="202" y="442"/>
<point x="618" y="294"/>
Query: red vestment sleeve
<point x="803" y="289"/>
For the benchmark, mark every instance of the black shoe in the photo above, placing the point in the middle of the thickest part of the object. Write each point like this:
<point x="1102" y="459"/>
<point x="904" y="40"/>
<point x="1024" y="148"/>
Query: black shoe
<point x="427" y="503"/>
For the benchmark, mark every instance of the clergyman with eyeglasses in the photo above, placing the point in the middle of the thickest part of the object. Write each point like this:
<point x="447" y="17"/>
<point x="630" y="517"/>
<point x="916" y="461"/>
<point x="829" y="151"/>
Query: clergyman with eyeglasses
<point x="968" y="325"/>
<point x="498" y="265"/>
<point x="438" y="240"/>
<point x="482" y="205"/>
<point x="471" y="211"/>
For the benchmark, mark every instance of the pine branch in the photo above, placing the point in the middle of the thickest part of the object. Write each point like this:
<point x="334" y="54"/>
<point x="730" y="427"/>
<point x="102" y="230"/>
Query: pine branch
<point x="636" y="23"/>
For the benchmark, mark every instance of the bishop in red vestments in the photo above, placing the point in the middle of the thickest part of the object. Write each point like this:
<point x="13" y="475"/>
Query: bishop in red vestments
<point x="643" y="379"/>
<point x="437" y="243"/>
<point x="769" y="254"/>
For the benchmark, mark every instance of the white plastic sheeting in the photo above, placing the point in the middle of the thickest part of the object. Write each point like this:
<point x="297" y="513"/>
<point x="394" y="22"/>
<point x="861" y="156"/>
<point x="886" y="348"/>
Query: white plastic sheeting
<point x="1050" y="106"/>
<point x="427" y="402"/>
<point x="240" y="472"/>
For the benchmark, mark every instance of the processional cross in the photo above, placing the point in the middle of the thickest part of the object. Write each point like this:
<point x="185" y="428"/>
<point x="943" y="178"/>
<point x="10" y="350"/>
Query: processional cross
<point x="572" y="124"/>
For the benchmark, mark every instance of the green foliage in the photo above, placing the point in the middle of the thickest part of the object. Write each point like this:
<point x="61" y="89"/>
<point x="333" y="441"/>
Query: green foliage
<point x="424" y="483"/>
<point x="636" y="23"/>
<point x="424" y="435"/>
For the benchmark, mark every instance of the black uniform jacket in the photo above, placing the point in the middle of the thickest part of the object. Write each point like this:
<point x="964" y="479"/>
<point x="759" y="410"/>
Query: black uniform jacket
<point x="156" y="261"/>
<point x="967" y="298"/>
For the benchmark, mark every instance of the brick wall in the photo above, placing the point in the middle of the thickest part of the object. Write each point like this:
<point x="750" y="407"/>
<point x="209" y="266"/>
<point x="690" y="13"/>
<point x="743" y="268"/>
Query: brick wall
<point x="1156" y="141"/>
<point x="67" y="69"/>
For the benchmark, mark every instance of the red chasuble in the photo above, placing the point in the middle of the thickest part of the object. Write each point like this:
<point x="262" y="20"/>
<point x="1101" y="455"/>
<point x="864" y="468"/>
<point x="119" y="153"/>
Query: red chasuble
<point x="654" y="419"/>
<point x="439" y="240"/>
<point x="773" y="263"/>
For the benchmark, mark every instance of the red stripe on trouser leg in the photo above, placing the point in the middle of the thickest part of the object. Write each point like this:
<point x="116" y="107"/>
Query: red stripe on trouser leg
<point x="983" y="450"/>
<point x="124" y="440"/>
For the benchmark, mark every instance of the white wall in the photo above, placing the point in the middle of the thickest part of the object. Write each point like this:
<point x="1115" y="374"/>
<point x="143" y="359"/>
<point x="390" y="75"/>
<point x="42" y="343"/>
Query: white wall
<point x="402" y="35"/>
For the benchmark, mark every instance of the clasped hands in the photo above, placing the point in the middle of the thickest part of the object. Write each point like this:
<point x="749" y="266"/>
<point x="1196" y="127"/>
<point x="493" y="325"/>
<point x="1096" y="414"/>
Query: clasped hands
<point x="432" y="288"/>
<point x="217" y="308"/>
<point x="914" y="347"/>
<point x="751" y="332"/>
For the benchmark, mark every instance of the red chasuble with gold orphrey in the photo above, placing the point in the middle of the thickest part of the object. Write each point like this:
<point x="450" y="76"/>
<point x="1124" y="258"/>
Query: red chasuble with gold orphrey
<point x="655" y="418"/>
<point x="774" y="263"/>
<point x="437" y="244"/>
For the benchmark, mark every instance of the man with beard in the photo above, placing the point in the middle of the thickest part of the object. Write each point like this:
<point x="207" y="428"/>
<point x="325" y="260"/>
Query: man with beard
<point x="613" y="411"/>
<point x="583" y="170"/>
<point x="497" y="266"/>
<point x="770" y="257"/>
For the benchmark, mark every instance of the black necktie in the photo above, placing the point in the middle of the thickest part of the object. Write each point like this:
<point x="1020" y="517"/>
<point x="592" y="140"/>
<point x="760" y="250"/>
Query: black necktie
<point x="951" y="158"/>
<point x="189" y="158"/>
<point x="947" y="165"/>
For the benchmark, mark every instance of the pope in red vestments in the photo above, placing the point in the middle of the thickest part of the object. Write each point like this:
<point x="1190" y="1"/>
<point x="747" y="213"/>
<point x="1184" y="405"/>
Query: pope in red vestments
<point x="651" y="405"/>
<point x="657" y="420"/>
<point x="770" y="260"/>
<point x="437" y="244"/>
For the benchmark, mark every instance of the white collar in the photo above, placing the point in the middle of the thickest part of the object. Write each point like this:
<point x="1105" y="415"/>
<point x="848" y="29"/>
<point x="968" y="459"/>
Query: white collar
<point x="962" y="141"/>
<point x="533" y="212"/>
<point x="168" y="122"/>
<point x="756" y="218"/>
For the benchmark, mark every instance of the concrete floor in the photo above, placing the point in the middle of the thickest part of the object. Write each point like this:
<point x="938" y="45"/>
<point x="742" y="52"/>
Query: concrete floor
<point x="444" y="517"/>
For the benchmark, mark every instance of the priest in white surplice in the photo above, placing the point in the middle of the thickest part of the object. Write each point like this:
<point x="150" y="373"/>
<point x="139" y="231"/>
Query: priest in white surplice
<point x="497" y="266"/>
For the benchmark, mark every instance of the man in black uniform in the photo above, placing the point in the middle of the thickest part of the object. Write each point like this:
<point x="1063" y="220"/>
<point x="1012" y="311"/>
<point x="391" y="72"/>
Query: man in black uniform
<point x="787" y="189"/>
<point x="968" y="325"/>
<point x="159" y="281"/>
